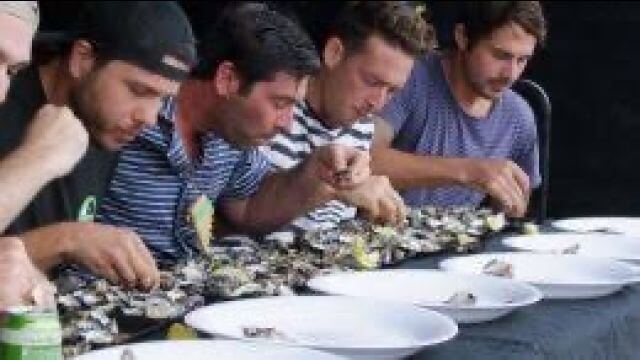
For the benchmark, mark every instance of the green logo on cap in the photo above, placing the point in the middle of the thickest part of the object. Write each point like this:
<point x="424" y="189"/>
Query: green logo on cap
<point x="88" y="209"/>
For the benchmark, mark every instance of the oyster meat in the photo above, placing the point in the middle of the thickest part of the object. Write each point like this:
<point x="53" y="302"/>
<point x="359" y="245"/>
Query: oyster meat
<point x="497" y="267"/>
<point x="462" y="298"/>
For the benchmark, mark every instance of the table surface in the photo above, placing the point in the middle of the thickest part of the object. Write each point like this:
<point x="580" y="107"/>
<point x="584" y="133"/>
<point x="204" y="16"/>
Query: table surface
<point x="602" y="328"/>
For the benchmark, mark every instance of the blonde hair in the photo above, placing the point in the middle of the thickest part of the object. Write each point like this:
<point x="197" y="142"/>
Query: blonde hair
<point x="23" y="10"/>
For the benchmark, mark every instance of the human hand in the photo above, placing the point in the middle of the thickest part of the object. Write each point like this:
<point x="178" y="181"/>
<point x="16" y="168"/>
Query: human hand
<point x="21" y="283"/>
<point x="117" y="254"/>
<point x="337" y="166"/>
<point x="377" y="200"/>
<point x="504" y="181"/>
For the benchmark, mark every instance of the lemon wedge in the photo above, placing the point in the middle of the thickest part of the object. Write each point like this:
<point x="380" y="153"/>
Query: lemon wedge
<point x="364" y="260"/>
<point x="496" y="222"/>
<point x="179" y="331"/>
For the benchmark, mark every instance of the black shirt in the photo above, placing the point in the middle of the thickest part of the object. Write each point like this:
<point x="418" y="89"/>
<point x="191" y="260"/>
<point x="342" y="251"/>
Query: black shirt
<point x="73" y="197"/>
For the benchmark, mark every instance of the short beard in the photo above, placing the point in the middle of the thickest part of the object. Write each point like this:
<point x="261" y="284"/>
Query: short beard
<point x="477" y="88"/>
<point x="77" y="105"/>
<point x="480" y="91"/>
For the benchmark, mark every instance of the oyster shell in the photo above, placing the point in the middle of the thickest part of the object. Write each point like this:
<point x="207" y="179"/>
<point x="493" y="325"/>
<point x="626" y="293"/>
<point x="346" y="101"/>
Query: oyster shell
<point x="497" y="267"/>
<point x="462" y="298"/>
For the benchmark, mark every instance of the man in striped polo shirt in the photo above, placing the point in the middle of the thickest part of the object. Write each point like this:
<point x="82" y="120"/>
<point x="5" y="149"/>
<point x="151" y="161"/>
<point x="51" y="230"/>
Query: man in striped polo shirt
<point x="456" y="125"/>
<point x="367" y="54"/>
<point x="203" y="153"/>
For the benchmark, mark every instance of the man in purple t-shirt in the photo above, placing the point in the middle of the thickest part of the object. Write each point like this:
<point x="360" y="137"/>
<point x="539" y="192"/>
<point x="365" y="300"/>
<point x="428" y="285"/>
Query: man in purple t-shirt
<point x="456" y="132"/>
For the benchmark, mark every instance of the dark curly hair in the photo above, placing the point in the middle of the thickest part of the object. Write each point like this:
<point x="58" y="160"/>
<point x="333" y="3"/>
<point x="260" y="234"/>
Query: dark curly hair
<point x="259" y="42"/>
<point x="400" y="23"/>
<point x="481" y="18"/>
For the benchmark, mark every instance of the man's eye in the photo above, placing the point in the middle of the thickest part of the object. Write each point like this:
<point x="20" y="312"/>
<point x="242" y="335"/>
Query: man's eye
<point x="140" y="91"/>
<point x="501" y="56"/>
<point x="370" y="81"/>
<point x="281" y="104"/>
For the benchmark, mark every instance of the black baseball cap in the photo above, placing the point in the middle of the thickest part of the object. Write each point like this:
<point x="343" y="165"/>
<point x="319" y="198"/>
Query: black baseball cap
<point x="155" y="35"/>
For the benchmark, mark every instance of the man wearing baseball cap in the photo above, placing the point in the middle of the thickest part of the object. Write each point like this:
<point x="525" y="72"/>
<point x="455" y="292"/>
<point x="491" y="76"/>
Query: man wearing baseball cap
<point x="112" y="68"/>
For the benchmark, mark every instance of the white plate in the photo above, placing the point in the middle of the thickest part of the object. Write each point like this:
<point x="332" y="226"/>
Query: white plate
<point x="495" y="297"/>
<point x="207" y="350"/>
<point x="619" y="247"/>
<point x="622" y="225"/>
<point x="355" y="328"/>
<point x="557" y="276"/>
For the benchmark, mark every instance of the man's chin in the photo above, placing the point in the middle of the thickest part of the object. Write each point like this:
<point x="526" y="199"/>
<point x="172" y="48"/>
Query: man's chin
<point x="492" y="94"/>
<point x="110" y="144"/>
<point x="344" y="121"/>
<point x="261" y="142"/>
<point x="264" y="140"/>
<point x="247" y="144"/>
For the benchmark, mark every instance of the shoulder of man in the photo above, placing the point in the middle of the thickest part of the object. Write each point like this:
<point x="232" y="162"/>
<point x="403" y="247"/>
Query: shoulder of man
<point x="517" y="111"/>
<point x="413" y="95"/>
<point x="517" y="107"/>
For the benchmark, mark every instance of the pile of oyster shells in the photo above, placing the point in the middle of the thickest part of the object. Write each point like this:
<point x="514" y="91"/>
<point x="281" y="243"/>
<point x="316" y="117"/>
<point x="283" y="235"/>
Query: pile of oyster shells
<point x="95" y="313"/>
<point x="362" y="245"/>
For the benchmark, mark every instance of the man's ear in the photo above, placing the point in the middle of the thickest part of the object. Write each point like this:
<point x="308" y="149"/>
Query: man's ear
<point x="333" y="53"/>
<point x="226" y="79"/>
<point x="82" y="59"/>
<point x="460" y="37"/>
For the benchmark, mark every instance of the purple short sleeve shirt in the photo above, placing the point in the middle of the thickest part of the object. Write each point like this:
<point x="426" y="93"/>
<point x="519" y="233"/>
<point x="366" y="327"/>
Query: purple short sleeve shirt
<point x="427" y="120"/>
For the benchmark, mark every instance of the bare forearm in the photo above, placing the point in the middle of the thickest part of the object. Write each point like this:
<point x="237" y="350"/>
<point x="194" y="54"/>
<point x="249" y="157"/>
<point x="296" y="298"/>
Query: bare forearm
<point x="22" y="175"/>
<point x="47" y="246"/>
<point x="281" y="198"/>
<point x="407" y="170"/>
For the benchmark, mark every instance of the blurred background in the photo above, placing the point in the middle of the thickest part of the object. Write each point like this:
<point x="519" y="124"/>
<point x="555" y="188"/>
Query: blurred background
<point x="589" y="68"/>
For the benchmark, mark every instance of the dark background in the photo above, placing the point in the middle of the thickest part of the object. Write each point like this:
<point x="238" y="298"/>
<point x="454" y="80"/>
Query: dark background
<point x="590" y="70"/>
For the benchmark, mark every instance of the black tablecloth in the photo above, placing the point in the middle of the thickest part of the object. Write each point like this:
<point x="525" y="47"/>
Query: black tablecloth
<point x="603" y="328"/>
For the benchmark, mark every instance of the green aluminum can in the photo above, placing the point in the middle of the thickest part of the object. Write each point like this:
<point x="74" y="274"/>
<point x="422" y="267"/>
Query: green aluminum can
<point x="29" y="334"/>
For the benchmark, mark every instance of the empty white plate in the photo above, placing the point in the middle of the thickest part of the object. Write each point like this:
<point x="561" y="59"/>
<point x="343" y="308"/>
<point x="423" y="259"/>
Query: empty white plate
<point x="494" y="297"/>
<point x="621" y="225"/>
<point x="557" y="276"/>
<point x="206" y="350"/>
<point x="346" y="326"/>
<point x="619" y="247"/>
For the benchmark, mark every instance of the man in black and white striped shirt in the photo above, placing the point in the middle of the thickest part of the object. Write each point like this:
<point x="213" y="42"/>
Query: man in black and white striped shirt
<point x="367" y="53"/>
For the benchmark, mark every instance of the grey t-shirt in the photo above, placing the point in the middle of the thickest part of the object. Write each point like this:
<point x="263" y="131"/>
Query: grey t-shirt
<point x="427" y="120"/>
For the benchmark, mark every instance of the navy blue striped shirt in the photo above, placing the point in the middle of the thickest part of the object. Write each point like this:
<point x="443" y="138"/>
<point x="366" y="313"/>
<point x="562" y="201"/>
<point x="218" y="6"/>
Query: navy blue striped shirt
<point x="155" y="183"/>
